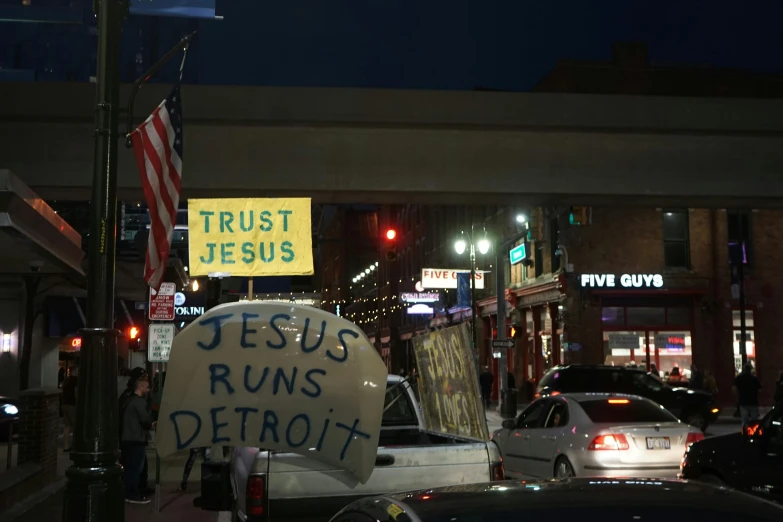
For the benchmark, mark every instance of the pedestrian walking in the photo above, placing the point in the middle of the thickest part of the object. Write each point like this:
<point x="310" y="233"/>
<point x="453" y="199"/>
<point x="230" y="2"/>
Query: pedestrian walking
<point x="135" y="422"/>
<point x="486" y="379"/>
<point x="747" y="386"/>
<point x="70" y="385"/>
<point x="710" y="384"/>
<point x="697" y="378"/>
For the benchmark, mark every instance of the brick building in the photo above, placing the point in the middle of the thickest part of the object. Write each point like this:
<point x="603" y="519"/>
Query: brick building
<point x="651" y="287"/>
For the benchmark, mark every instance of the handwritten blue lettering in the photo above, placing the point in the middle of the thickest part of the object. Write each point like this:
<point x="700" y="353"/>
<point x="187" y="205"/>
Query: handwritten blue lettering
<point x="288" y="438"/>
<point x="214" y="377"/>
<point x="266" y="223"/>
<point x="281" y="376"/>
<point x="179" y="413"/>
<point x="282" y="342"/>
<point x="226" y="218"/>
<point x="323" y="432"/>
<point x="285" y="214"/>
<point x="207" y="214"/>
<point x="288" y="249"/>
<point x="250" y="254"/>
<point x="270" y="423"/>
<point x="254" y="389"/>
<point x="226" y="252"/>
<point x="217" y="425"/>
<point x="340" y="335"/>
<point x="216" y="322"/>
<point x="313" y="348"/>
<point x="249" y="226"/>
<point x="317" y="387"/>
<point x="244" y="412"/>
<point x="353" y="432"/>
<point x="245" y="330"/>
<point x="211" y="247"/>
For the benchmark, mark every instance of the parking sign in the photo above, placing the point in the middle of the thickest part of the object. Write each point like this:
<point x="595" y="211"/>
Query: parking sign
<point x="159" y="346"/>
<point x="162" y="303"/>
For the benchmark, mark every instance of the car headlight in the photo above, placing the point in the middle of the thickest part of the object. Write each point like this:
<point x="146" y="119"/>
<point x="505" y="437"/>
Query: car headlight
<point x="10" y="409"/>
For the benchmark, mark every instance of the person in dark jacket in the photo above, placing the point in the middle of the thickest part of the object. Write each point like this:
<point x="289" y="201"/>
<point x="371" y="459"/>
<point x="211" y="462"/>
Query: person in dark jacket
<point x="135" y="422"/>
<point x="485" y="380"/>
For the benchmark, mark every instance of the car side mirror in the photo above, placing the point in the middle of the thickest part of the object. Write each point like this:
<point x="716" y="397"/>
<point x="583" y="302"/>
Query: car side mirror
<point x="509" y="424"/>
<point x="753" y="430"/>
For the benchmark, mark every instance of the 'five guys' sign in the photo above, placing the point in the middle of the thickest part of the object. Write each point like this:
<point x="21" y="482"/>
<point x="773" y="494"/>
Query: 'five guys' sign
<point x="277" y="376"/>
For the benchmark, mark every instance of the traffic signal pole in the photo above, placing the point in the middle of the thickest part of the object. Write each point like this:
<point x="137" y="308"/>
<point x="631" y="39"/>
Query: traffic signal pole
<point x="94" y="491"/>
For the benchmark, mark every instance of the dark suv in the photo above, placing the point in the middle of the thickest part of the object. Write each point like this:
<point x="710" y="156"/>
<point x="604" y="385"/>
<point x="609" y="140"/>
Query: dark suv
<point x="694" y="407"/>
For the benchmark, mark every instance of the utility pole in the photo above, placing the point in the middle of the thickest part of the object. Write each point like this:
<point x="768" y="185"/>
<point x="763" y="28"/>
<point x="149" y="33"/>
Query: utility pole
<point x="500" y="290"/>
<point x="95" y="491"/>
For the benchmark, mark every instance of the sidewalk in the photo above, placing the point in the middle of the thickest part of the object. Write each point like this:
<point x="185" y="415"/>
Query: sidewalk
<point x="175" y="505"/>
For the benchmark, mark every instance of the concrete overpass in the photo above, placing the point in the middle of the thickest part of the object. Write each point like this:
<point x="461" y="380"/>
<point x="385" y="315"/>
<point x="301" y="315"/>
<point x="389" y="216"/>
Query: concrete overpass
<point x="343" y="145"/>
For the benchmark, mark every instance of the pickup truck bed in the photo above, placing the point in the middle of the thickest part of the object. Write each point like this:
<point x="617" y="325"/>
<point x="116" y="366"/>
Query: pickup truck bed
<point x="296" y="487"/>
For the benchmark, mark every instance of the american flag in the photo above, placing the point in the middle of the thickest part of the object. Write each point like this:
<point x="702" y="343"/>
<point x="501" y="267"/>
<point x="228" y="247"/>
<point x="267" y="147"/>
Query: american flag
<point x="157" y="144"/>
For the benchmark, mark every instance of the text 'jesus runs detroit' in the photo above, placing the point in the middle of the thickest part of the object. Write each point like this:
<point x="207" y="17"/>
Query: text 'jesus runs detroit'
<point x="237" y="383"/>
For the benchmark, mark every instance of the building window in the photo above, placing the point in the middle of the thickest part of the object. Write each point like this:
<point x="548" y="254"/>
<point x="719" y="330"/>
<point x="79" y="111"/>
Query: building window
<point x="738" y="224"/>
<point x="676" y="243"/>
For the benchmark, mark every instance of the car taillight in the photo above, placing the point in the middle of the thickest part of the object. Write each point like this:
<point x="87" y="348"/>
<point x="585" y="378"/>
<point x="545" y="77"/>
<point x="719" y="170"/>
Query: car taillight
<point x="694" y="437"/>
<point x="498" y="473"/>
<point x="256" y="495"/>
<point x="609" y="442"/>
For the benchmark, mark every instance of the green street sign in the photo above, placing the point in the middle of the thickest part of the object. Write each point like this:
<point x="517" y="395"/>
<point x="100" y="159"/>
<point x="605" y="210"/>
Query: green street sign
<point x="517" y="254"/>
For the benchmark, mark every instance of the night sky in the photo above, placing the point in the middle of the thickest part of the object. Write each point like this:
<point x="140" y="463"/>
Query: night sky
<point x="462" y="44"/>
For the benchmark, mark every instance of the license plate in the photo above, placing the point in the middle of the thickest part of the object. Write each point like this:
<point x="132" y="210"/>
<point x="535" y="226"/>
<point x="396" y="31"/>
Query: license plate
<point x="658" y="443"/>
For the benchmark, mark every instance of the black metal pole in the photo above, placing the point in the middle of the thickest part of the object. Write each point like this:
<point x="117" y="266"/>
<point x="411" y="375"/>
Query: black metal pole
<point x="473" y="293"/>
<point x="741" y="277"/>
<point x="95" y="491"/>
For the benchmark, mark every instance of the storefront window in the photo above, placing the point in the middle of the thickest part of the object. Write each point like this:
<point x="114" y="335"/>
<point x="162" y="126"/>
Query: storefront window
<point x="750" y="338"/>
<point x="646" y="316"/>
<point x="625" y="348"/>
<point x="678" y="316"/>
<point x="613" y="316"/>
<point x="673" y="355"/>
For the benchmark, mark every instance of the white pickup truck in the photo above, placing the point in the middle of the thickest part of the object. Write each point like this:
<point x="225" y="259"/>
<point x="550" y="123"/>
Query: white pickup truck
<point x="271" y="486"/>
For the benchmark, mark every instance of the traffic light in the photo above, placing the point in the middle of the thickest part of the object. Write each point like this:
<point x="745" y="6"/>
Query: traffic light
<point x="133" y="333"/>
<point x="390" y="244"/>
<point x="579" y="216"/>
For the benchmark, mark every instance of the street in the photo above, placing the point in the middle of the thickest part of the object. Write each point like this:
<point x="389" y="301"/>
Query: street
<point x="178" y="506"/>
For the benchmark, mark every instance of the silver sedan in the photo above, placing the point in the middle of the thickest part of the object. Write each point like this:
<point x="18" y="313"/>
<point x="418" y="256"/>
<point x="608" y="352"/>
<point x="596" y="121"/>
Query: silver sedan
<point x="594" y="434"/>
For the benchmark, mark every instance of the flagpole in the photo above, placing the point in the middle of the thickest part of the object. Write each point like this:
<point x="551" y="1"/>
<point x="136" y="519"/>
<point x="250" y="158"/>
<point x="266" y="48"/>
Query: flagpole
<point x="149" y="73"/>
<point x="94" y="491"/>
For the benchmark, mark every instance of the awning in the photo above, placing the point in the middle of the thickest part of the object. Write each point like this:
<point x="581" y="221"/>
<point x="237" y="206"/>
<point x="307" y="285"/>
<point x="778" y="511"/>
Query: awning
<point x="32" y="236"/>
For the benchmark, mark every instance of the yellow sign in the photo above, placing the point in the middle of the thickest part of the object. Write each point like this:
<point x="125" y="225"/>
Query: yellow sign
<point x="250" y="237"/>
<point x="448" y="383"/>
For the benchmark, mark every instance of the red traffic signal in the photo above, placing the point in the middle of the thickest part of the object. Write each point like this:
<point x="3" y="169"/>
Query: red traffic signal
<point x="133" y="333"/>
<point x="391" y="234"/>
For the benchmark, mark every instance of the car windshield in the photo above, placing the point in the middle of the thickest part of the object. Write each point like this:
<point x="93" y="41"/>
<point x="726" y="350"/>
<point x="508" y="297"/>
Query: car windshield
<point x="625" y="411"/>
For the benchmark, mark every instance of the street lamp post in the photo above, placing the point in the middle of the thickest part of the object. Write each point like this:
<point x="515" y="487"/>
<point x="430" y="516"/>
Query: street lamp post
<point x="483" y="247"/>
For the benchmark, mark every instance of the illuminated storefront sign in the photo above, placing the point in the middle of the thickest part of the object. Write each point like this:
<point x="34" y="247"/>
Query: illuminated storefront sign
<point x="445" y="278"/>
<point x="624" y="281"/>
<point x="419" y="297"/>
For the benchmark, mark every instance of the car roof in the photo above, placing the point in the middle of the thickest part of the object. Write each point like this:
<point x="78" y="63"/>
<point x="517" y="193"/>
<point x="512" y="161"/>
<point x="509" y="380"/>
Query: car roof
<point x="572" y="494"/>
<point x="584" y="396"/>
<point x="597" y="367"/>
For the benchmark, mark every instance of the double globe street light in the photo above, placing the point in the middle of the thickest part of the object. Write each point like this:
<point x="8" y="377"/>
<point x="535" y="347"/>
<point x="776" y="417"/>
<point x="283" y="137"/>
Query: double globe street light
<point x="460" y="246"/>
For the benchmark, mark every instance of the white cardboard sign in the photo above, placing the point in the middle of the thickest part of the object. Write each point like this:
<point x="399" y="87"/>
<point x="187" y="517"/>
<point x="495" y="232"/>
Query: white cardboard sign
<point x="277" y="376"/>
<point x="159" y="342"/>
